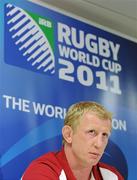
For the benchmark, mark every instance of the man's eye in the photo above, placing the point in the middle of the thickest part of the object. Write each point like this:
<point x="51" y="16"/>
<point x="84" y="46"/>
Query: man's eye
<point x="92" y="132"/>
<point x="105" y="135"/>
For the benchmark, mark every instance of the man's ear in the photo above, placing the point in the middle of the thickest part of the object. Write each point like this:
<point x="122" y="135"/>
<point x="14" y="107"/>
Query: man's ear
<point x="67" y="133"/>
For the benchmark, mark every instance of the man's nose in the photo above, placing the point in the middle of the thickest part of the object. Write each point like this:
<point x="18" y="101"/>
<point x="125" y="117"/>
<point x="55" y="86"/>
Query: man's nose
<point x="98" y="141"/>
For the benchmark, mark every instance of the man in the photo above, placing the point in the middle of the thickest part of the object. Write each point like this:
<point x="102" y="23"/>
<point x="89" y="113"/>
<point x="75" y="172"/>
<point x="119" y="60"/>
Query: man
<point x="86" y="131"/>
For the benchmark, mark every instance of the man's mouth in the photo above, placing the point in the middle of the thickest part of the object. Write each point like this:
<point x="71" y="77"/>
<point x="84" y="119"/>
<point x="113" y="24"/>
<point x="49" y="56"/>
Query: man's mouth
<point x="94" y="155"/>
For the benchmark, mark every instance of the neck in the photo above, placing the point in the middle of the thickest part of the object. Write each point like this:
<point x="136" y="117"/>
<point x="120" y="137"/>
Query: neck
<point x="82" y="174"/>
<point x="79" y="170"/>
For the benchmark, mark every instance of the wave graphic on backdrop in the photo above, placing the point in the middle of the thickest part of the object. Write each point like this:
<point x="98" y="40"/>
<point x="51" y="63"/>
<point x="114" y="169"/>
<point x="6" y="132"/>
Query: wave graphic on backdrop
<point x="30" y="39"/>
<point x="48" y="130"/>
<point x="116" y="158"/>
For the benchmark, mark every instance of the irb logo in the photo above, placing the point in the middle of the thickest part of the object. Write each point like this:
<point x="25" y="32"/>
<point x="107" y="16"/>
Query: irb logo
<point x="29" y="40"/>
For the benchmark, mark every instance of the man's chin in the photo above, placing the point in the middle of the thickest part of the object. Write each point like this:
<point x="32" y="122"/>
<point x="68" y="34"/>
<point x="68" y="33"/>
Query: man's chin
<point x="93" y="162"/>
<point x="90" y="163"/>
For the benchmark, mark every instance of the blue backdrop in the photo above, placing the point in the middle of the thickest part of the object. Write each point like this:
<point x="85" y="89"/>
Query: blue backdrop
<point x="49" y="60"/>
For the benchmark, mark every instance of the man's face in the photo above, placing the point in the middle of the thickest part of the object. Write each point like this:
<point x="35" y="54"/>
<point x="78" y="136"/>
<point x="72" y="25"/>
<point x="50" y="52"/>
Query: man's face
<point x="90" y="139"/>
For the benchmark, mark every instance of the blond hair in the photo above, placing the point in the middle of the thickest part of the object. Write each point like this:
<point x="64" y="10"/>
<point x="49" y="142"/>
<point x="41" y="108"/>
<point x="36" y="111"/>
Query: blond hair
<point x="76" y="111"/>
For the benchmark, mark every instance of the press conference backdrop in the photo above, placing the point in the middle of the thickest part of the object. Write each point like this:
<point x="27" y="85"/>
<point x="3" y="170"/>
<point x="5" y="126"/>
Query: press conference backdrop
<point x="49" y="60"/>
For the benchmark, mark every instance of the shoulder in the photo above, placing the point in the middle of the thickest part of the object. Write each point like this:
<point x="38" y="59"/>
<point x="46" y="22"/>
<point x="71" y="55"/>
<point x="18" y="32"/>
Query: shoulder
<point x="48" y="158"/>
<point x="46" y="166"/>
<point x="109" y="171"/>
